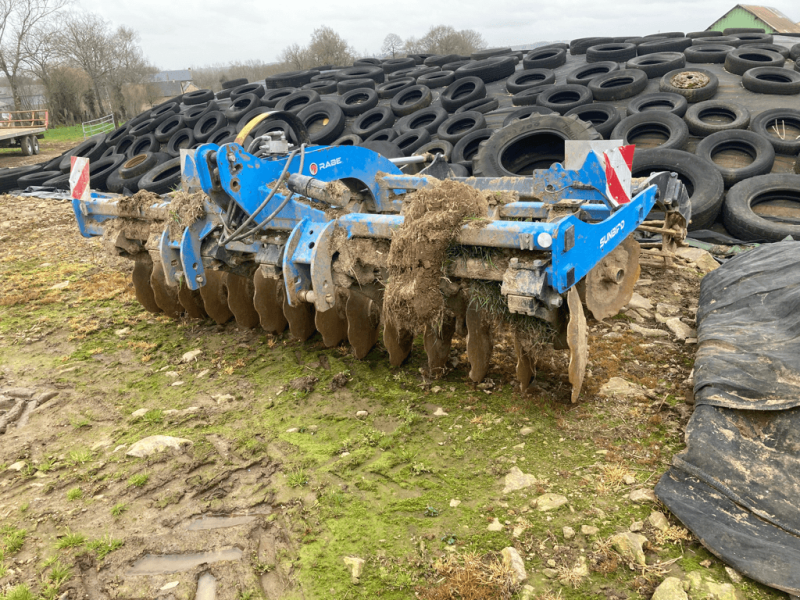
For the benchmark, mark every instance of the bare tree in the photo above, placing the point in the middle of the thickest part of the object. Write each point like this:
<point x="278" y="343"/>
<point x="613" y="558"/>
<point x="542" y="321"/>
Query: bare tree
<point x="392" y="44"/>
<point x="111" y="58"/>
<point x="326" y="48"/>
<point x="444" y="39"/>
<point x="295" y="56"/>
<point x="19" y="20"/>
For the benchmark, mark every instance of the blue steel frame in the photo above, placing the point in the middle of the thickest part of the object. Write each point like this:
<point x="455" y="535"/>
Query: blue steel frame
<point x="575" y="246"/>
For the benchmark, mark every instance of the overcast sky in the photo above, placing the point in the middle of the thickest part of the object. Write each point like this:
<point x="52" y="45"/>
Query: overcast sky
<point x="177" y="34"/>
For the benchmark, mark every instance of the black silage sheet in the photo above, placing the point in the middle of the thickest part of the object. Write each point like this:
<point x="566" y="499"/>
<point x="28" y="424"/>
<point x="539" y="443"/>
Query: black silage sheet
<point x="737" y="484"/>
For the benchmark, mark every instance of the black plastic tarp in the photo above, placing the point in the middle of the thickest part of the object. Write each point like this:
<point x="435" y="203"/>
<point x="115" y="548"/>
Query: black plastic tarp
<point x="737" y="484"/>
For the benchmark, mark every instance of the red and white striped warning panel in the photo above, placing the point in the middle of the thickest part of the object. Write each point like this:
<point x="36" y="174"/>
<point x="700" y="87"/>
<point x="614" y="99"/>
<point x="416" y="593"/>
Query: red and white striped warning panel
<point x="79" y="178"/>
<point x="618" y="163"/>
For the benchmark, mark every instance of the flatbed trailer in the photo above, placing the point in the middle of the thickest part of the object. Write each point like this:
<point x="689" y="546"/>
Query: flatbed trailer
<point x="23" y="129"/>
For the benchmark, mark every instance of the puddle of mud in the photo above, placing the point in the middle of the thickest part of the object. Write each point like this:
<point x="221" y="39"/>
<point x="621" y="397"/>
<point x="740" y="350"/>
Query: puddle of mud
<point x="206" y="587"/>
<point x="174" y="563"/>
<point x="204" y="523"/>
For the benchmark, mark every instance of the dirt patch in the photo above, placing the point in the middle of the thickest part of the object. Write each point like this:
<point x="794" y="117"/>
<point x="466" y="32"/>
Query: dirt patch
<point x="433" y="217"/>
<point x="185" y="209"/>
<point x="140" y="200"/>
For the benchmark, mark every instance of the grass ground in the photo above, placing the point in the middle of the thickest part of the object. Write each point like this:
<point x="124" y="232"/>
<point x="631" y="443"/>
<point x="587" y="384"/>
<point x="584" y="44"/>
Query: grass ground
<point x="414" y="487"/>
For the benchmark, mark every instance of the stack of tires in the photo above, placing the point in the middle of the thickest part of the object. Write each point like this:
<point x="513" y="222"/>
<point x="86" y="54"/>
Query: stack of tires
<point x="722" y="109"/>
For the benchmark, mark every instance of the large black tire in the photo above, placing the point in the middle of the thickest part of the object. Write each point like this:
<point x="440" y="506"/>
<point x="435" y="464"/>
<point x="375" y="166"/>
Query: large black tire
<point x="438" y="60"/>
<point x="208" y="125"/>
<point x="272" y="97"/>
<point x="358" y="101"/>
<point x="124" y="144"/>
<point x="348" y="85"/>
<point x="489" y="52"/>
<point x="483" y="106"/>
<point x="193" y="114"/>
<point x="296" y="101"/>
<point x="774" y="121"/>
<point x="394" y="64"/>
<point x="139" y="165"/>
<point x="392" y="88"/>
<point x="92" y="149"/>
<point x="657" y="64"/>
<point x="563" y="98"/>
<point x="743" y="59"/>
<point x="784" y="52"/>
<point x="233" y="83"/>
<point x="522" y="80"/>
<point x="409" y="141"/>
<point x="437" y="79"/>
<point x="740" y="219"/>
<point x="467" y="147"/>
<point x="584" y="74"/>
<point x="115" y="136"/>
<point x="373" y="121"/>
<point x="163" y="178"/>
<point x="708" y="53"/>
<point x="326" y="86"/>
<point x="545" y="58"/>
<point x="533" y="143"/>
<point x="488" y="70"/>
<point x="664" y="45"/>
<point x="736" y="117"/>
<point x="772" y="80"/>
<point x="603" y="117"/>
<point x="10" y="177"/>
<point x="696" y="85"/>
<point x="794" y="52"/>
<point x="248" y="88"/>
<point x="527" y="111"/>
<point x="348" y="140"/>
<point x="324" y="122"/>
<point x="703" y="181"/>
<point x="618" y="85"/>
<point x="737" y="30"/>
<point x="198" y="97"/>
<point x="100" y="170"/>
<point x="429" y="118"/>
<point x="410" y="100"/>
<point x="725" y="39"/>
<point x="241" y="106"/>
<point x="674" y="103"/>
<point x="293" y="79"/>
<point x="36" y="178"/>
<point x="581" y="45"/>
<point x="671" y="126"/>
<point x="757" y="37"/>
<point x="458" y="126"/>
<point x="377" y="74"/>
<point x="166" y="128"/>
<point x="435" y="147"/>
<point x="461" y="91"/>
<point x="183" y="138"/>
<point x="225" y="135"/>
<point x="748" y="142"/>
<point x="529" y="96"/>
<point x="700" y="34"/>
<point x="618" y="52"/>
<point x="384" y="135"/>
<point x="60" y="182"/>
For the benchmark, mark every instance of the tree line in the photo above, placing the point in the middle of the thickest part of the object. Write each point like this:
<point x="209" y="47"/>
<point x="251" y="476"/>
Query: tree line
<point x="83" y="66"/>
<point x="328" y="48"/>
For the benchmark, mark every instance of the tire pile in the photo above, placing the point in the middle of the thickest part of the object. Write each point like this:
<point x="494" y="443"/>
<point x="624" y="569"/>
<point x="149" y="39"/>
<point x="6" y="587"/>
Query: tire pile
<point x="501" y="113"/>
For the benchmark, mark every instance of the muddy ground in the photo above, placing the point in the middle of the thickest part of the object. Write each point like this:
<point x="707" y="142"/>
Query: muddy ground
<point x="48" y="150"/>
<point x="297" y="461"/>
